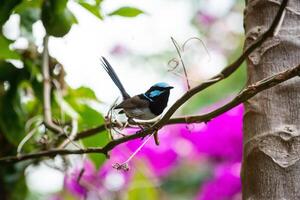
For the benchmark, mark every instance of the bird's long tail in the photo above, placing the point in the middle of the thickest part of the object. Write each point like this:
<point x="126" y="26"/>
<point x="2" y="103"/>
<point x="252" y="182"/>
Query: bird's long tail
<point x="111" y="72"/>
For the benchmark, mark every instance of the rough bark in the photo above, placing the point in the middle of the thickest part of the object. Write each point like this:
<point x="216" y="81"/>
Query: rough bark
<point x="271" y="166"/>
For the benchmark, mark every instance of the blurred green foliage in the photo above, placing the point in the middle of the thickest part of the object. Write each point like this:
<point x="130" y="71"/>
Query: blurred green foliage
<point x="141" y="187"/>
<point x="6" y="8"/>
<point x="21" y="88"/>
<point x="5" y="51"/>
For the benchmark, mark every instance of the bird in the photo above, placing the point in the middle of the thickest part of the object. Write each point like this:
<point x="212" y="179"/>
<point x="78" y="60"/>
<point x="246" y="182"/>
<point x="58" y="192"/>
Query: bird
<point x="145" y="106"/>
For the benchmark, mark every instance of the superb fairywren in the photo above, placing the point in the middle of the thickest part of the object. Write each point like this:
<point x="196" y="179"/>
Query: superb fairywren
<point x="144" y="106"/>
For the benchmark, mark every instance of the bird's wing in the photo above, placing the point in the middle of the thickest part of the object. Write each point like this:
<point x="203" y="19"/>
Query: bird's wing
<point x="134" y="102"/>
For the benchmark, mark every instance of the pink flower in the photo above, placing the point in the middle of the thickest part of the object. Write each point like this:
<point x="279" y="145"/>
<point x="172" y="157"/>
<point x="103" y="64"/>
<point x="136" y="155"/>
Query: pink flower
<point x="114" y="180"/>
<point x="220" y="138"/>
<point x="205" y="19"/>
<point x="80" y="185"/>
<point x="93" y="182"/>
<point x="119" y="49"/>
<point x="226" y="184"/>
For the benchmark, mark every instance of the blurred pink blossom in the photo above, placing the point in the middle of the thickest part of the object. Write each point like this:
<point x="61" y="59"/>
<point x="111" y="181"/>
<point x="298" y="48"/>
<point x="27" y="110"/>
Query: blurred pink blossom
<point x="220" y="138"/>
<point x="80" y="186"/>
<point x="119" y="49"/>
<point x="205" y="19"/>
<point x="225" y="185"/>
<point x="94" y="182"/>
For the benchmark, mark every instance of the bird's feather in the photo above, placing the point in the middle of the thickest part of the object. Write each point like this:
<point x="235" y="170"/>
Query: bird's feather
<point x="140" y="113"/>
<point x="155" y="93"/>
<point x="134" y="102"/>
<point x="162" y="85"/>
<point x="108" y="68"/>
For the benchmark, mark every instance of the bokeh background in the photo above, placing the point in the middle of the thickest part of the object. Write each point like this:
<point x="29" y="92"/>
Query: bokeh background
<point x="193" y="161"/>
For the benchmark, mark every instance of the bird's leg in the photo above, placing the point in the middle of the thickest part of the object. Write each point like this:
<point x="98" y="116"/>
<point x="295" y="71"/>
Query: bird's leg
<point x="155" y="136"/>
<point x="125" y="125"/>
<point x="132" y="121"/>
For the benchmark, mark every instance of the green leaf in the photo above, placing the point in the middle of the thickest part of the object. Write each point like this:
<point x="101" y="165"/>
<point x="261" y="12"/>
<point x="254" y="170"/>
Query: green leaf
<point x="83" y="92"/>
<point x="31" y="106"/>
<point x="12" y="113"/>
<point x="33" y="67"/>
<point x="20" y="189"/>
<point x="98" y="2"/>
<point x="7" y="71"/>
<point x="13" y="181"/>
<point x="12" y="118"/>
<point x="5" y="52"/>
<point x="79" y="100"/>
<point x="27" y="4"/>
<point x="127" y="12"/>
<point x="57" y="18"/>
<point x="97" y="140"/>
<point x="94" y="9"/>
<point x="91" y="118"/>
<point x="141" y="187"/>
<point x="29" y="17"/>
<point x="29" y="12"/>
<point x="6" y="8"/>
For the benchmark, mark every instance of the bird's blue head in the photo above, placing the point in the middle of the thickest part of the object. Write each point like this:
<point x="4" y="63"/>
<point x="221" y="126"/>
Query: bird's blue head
<point x="158" y="90"/>
<point x="158" y="96"/>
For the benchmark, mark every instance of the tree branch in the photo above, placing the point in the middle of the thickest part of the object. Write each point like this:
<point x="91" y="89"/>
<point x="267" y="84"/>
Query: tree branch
<point x="244" y="95"/>
<point x="90" y="132"/>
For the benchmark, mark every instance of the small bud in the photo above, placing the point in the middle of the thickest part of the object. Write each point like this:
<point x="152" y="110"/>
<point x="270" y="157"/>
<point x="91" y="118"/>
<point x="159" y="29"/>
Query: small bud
<point x="124" y="166"/>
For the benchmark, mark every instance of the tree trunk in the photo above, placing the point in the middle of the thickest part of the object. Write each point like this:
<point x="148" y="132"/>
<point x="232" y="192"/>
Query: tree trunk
<point x="271" y="166"/>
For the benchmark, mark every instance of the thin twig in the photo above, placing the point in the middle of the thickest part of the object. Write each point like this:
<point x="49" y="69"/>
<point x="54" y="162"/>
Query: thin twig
<point x="203" y="44"/>
<point x="125" y="165"/>
<point x="175" y="60"/>
<point x="25" y="139"/>
<point x="72" y="136"/>
<point x="246" y="94"/>
<point x="177" y="47"/>
<point x="90" y="132"/>
<point x="47" y="90"/>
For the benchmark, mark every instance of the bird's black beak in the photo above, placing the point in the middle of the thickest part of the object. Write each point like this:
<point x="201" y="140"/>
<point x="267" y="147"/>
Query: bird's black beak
<point x="170" y="87"/>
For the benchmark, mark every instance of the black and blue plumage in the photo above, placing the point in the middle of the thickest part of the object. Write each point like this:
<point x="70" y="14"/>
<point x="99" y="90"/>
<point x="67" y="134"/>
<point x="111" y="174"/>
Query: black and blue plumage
<point x="144" y="106"/>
